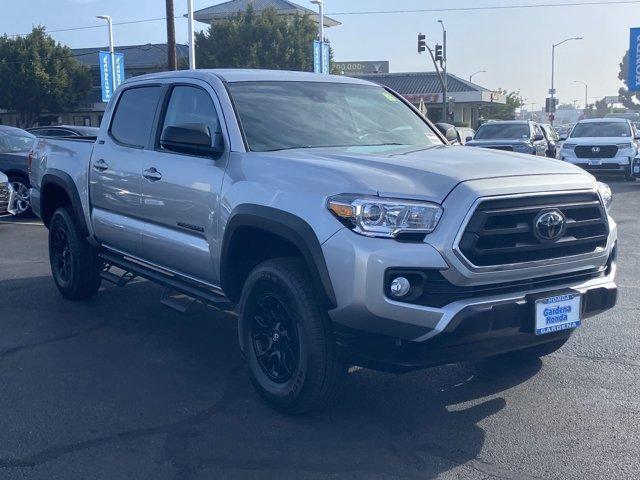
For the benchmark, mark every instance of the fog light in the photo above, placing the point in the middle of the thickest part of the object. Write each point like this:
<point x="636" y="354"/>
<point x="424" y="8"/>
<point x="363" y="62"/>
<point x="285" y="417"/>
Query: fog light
<point x="399" y="287"/>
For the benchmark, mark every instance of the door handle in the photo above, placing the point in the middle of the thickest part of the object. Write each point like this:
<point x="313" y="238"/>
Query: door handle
<point x="152" y="174"/>
<point x="100" y="165"/>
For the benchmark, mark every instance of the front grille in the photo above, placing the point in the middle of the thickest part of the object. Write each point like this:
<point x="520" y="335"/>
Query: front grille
<point x="596" y="151"/>
<point x="502" y="147"/>
<point x="4" y="197"/>
<point x="501" y="231"/>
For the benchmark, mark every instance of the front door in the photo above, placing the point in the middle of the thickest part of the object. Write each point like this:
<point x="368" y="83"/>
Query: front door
<point x="116" y="170"/>
<point x="181" y="191"/>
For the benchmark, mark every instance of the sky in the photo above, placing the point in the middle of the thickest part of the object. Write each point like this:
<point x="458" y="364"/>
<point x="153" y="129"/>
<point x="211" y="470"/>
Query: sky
<point x="512" y="45"/>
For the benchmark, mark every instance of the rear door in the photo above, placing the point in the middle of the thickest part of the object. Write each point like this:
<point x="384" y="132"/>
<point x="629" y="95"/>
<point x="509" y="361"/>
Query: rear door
<point x="181" y="191"/>
<point x="116" y="170"/>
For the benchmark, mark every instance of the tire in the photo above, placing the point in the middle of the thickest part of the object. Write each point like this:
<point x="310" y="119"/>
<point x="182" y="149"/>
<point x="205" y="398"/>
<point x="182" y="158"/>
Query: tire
<point x="287" y="339"/>
<point x="75" y="265"/>
<point x="538" y="351"/>
<point x="23" y="200"/>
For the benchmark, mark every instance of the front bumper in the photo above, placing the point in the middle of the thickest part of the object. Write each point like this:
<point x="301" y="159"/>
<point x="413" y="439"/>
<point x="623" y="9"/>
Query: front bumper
<point x="475" y="331"/>
<point x="616" y="166"/>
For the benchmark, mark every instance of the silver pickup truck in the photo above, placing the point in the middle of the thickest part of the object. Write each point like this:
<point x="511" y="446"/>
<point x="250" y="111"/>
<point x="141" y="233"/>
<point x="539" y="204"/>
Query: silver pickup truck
<point x="334" y="217"/>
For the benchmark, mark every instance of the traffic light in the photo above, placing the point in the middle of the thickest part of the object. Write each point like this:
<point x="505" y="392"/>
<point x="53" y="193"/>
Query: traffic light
<point x="439" y="57"/>
<point x="422" y="43"/>
<point x="550" y="105"/>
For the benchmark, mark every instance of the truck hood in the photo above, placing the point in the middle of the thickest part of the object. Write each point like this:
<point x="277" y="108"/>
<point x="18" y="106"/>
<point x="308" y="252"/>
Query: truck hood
<point x="598" y="140"/>
<point x="429" y="173"/>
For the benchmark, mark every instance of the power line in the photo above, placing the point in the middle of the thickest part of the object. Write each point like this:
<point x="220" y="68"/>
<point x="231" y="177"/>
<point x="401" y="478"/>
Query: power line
<point x="492" y="7"/>
<point x="386" y="12"/>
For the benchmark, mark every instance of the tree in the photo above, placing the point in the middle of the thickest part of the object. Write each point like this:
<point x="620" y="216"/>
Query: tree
<point x="631" y="100"/>
<point x="505" y="111"/>
<point x="37" y="74"/>
<point x="258" y="40"/>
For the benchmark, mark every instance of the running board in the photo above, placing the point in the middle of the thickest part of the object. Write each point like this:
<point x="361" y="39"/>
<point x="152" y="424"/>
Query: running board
<point x="177" y="292"/>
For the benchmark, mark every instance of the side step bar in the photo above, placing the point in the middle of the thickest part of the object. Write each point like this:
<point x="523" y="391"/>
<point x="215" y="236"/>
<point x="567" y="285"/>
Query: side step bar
<point x="172" y="283"/>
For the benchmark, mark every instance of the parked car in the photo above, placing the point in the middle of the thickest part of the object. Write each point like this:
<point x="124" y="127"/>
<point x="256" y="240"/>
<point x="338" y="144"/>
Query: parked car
<point x="552" y="138"/>
<point x="519" y="136"/>
<point x="64" y="131"/>
<point x="15" y="146"/>
<point x="335" y="217"/>
<point x="605" y="146"/>
<point x="7" y="197"/>
<point x="465" y="134"/>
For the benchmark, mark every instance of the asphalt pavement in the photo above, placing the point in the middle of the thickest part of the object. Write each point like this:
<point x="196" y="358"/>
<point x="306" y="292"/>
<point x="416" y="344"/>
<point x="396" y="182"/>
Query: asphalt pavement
<point x="121" y="387"/>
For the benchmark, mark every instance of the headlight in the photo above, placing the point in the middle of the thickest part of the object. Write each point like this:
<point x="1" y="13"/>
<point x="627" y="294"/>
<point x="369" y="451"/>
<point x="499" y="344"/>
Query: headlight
<point x="385" y="217"/>
<point x="606" y="194"/>
<point x="568" y="145"/>
<point x="623" y="146"/>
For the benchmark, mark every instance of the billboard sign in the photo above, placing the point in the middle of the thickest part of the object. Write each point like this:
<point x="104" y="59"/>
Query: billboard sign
<point x="107" y="74"/>
<point x="362" y="68"/>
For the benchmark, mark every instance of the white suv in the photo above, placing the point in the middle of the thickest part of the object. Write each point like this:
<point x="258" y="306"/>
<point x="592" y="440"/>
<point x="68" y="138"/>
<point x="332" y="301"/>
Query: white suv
<point x="602" y="146"/>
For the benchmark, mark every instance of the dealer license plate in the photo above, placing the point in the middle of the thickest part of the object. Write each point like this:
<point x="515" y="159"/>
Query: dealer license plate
<point x="595" y="162"/>
<point x="558" y="313"/>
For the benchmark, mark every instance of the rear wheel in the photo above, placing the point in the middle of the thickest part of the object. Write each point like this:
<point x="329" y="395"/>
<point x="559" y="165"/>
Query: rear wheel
<point x="287" y="339"/>
<point x="75" y="265"/>
<point x="23" y="200"/>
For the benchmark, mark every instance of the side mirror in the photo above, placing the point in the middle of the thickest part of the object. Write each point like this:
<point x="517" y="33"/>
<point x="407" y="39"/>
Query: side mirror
<point x="192" y="139"/>
<point x="468" y="139"/>
<point x="564" y="137"/>
<point x="538" y="136"/>
<point x="448" y="131"/>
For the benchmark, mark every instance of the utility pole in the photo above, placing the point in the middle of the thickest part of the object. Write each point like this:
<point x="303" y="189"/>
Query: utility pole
<point x="192" y="42"/>
<point x="171" y="37"/>
<point x="444" y="69"/>
<point x="586" y="95"/>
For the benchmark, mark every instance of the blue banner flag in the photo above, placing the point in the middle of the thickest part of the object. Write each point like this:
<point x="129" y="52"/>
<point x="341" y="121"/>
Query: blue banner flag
<point x="107" y="73"/>
<point x="633" y="78"/>
<point x="320" y="57"/>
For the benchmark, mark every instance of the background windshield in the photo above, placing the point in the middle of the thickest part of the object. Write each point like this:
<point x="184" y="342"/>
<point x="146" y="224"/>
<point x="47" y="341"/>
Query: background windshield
<point x="17" y="141"/>
<point x="285" y="115"/>
<point x="502" y="131"/>
<point x="601" y="129"/>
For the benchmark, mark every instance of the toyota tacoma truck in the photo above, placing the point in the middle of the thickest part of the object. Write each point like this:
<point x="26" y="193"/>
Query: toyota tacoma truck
<point x="333" y="217"/>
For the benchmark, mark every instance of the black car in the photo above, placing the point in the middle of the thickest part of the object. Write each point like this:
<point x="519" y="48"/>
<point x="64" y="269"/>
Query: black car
<point x="15" y="145"/>
<point x="65" y="131"/>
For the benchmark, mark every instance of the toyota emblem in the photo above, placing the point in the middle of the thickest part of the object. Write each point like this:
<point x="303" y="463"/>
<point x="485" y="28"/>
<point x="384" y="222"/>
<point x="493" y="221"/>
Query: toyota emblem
<point x="549" y="225"/>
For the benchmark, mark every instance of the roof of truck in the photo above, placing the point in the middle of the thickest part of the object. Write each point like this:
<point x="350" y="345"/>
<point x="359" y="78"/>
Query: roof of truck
<point x="254" y="75"/>
<point x="603" y="119"/>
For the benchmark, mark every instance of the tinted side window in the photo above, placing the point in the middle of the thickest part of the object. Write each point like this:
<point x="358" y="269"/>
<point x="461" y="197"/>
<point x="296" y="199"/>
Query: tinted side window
<point x="189" y="105"/>
<point x="133" y="119"/>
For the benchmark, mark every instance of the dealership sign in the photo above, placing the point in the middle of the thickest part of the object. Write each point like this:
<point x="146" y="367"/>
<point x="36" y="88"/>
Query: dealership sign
<point x="107" y="80"/>
<point x="633" y="77"/>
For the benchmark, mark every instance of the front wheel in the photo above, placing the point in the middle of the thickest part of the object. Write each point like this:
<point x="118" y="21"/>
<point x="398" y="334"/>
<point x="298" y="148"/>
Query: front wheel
<point x="75" y="265"/>
<point x="287" y="339"/>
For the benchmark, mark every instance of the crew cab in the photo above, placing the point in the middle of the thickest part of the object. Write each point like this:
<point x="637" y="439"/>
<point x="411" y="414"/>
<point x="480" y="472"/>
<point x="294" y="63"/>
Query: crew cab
<point x="335" y="219"/>
<point x="605" y="146"/>
<point x="520" y="136"/>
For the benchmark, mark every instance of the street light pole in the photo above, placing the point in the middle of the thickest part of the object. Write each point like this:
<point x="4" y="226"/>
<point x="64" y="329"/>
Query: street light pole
<point x="586" y="95"/>
<point x="444" y="59"/>
<point x="192" y="43"/>
<point x="552" y="92"/>
<point x="476" y="73"/>
<point x="111" y="50"/>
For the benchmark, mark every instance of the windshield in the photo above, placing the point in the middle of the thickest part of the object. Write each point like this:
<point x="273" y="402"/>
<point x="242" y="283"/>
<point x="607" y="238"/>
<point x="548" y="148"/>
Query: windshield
<point x="601" y="129"/>
<point x="502" y="131"/>
<point x="18" y="141"/>
<point x="287" y="115"/>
